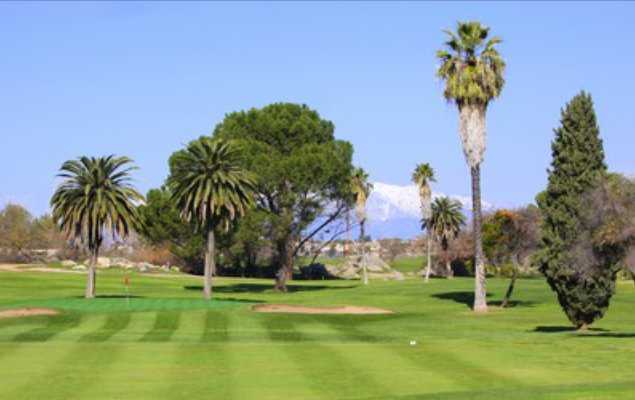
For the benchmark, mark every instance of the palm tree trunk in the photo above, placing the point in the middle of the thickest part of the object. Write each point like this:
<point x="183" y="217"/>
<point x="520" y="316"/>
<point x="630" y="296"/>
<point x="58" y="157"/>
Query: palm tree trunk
<point x="363" y="252"/>
<point x="448" y="269"/>
<point x="480" y="294"/>
<point x="210" y="264"/>
<point x="91" y="280"/>
<point x="429" y="267"/>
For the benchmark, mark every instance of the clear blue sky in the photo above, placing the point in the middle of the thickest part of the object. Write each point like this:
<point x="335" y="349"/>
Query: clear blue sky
<point x="142" y="79"/>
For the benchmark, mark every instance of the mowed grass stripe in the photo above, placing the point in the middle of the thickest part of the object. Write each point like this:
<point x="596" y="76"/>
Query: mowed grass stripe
<point x="165" y="324"/>
<point x="89" y="323"/>
<point x="53" y="326"/>
<point x="216" y="327"/>
<point x="139" y="325"/>
<point x="191" y="326"/>
<point x="612" y="391"/>
<point x="208" y="365"/>
<point x="350" y="328"/>
<point x="114" y="323"/>
<point x="327" y="372"/>
<point x="372" y="354"/>
<point x="202" y="368"/>
<point x="25" y="363"/>
<point x="447" y="361"/>
<point x="141" y="370"/>
<point x="281" y="329"/>
<point x="76" y="368"/>
<point x="9" y="328"/>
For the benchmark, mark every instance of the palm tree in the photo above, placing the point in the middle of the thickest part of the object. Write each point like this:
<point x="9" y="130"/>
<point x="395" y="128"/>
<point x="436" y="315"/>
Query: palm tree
<point x="361" y="188"/>
<point x="422" y="176"/>
<point x="95" y="196"/>
<point x="473" y="72"/>
<point x="445" y="224"/>
<point x="211" y="190"/>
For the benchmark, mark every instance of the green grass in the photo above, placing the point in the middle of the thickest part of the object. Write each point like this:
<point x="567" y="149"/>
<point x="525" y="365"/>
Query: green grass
<point x="166" y="343"/>
<point x="408" y="264"/>
<point x="336" y="261"/>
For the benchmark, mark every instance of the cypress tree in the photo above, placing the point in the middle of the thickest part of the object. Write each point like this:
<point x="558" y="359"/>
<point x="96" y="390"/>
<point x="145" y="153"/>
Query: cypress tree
<point x="580" y="273"/>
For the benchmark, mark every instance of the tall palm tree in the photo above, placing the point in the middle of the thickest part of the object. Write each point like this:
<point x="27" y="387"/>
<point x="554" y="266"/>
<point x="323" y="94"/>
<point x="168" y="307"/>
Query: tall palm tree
<point x="422" y="176"/>
<point x="361" y="188"/>
<point x="211" y="190"/>
<point x="445" y="224"/>
<point x="473" y="72"/>
<point x="95" y="196"/>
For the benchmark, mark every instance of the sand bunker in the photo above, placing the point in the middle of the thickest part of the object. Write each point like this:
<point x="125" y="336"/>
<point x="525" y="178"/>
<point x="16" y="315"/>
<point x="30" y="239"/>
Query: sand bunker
<point x="284" y="308"/>
<point x="26" y="312"/>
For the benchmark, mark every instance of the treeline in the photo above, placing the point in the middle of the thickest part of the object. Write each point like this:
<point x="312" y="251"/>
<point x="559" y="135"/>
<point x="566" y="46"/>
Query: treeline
<point x="510" y="239"/>
<point x="302" y="189"/>
<point x="22" y="234"/>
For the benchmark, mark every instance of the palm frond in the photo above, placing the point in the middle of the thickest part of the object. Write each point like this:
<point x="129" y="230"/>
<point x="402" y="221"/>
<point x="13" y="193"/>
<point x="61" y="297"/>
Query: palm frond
<point x="471" y="66"/>
<point x="96" y="195"/>
<point x="208" y="185"/>
<point x="446" y="220"/>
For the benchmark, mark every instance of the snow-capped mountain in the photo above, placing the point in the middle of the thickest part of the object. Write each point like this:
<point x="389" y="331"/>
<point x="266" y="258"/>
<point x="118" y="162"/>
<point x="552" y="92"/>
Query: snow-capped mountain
<point x="393" y="210"/>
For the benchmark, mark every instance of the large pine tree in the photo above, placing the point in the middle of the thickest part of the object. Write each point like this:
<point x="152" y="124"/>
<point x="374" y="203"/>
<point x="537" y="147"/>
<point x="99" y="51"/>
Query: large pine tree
<point x="576" y="269"/>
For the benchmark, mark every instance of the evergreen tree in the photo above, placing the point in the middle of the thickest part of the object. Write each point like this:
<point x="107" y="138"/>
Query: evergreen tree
<point x="581" y="272"/>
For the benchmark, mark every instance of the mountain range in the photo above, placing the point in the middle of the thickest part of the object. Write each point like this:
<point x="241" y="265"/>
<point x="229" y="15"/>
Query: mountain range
<point x="393" y="210"/>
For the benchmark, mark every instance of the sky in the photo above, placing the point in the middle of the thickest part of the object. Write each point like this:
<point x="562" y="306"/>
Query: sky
<point x="143" y="79"/>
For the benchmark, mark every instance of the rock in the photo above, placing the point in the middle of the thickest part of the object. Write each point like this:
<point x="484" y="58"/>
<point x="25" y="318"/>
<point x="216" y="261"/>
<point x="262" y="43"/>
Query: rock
<point x="350" y="273"/>
<point x="103" y="262"/>
<point x="351" y="268"/>
<point x="68" y="263"/>
<point x="148" y="265"/>
<point x="375" y="264"/>
<point x="345" y="271"/>
<point x="145" y="266"/>
<point x="79" y="267"/>
<point x="122" y="262"/>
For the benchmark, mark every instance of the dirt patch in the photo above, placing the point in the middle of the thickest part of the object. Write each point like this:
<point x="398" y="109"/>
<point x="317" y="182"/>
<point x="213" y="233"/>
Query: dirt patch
<point x="26" y="312"/>
<point x="284" y="308"/>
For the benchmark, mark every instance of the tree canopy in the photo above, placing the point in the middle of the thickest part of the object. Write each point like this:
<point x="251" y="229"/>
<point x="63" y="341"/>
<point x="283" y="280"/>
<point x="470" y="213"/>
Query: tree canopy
<point x="208" y="185"/>
<point x="96" y="194"/>
<point x="471" y="65"/>
<point x="446" y="221"/>
<point x="302" y="172"/>
<point x="578" y="268"/>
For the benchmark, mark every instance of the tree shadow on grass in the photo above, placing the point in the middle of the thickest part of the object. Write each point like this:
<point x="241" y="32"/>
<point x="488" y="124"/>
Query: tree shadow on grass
<point x="589" y="333"/>
<point x="512" y="303"/>
<point x="560" y="329"/>
<point x="609" y="335"/>
<point x="467" y="298"/>
<point x="259" y="288"/>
